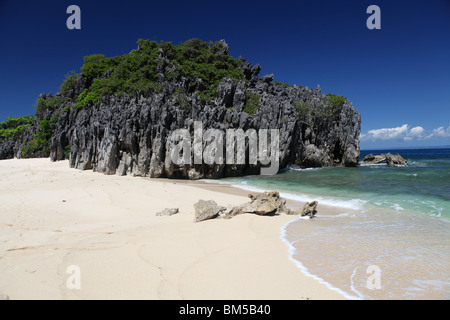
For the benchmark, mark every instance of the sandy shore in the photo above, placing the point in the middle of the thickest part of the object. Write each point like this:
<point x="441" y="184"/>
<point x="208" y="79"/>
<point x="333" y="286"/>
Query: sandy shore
<point x="53" y="217"/>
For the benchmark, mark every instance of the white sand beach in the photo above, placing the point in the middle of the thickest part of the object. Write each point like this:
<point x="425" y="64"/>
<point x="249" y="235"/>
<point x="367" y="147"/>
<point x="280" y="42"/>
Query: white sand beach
<point x="53" y="217"/>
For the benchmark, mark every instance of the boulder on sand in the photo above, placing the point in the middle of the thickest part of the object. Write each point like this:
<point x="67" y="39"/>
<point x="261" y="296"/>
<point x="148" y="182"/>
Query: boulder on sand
<point x="309" y="209"/>
<point x="265" y="203"/>
<point x="205" y="210"/>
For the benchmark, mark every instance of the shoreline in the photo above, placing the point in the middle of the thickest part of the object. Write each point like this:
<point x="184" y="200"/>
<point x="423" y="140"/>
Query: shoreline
<point x="54" y="217"/>
<point x="324" y="211"/>
<point x="231" y="189"/>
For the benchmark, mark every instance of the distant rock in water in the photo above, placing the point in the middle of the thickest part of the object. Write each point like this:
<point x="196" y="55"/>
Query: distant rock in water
<point x="395" y="160"/>
<point x="102" y="121"/>
<point x="371" y="159"/>
<point x="390" y="159"/>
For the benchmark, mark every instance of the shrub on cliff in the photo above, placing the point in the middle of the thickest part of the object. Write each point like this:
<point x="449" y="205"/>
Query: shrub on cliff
<point x="40" y="144"/>
<point x="329" y="106"/>
<point x="252" y="103"/>
<point x="12" y="128"/>
<point x="48" y="103"/>
<point x="284" y="84"/>
<point x="69" y="83"/>
<point x="145" y="69"/>
<point x="336" y="102"/>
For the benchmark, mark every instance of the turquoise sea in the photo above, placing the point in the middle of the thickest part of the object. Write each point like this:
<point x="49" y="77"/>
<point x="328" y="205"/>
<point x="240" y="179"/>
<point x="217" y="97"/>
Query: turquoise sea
<point x="394" y="220"/>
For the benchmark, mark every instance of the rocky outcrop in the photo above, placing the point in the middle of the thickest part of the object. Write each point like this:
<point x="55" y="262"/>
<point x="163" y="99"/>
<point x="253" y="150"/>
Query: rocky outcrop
<point x="265" y="203"/>
<point x="371" y="159"/>
<point x="124" y="135"/>
<point x="7" y="149"/>
<point x="390" y="159"/>
<point x="395" y="160"/>
<point x="309" y="209"/>
<point x="205" y="210"/>
<point x="132" y="135"/>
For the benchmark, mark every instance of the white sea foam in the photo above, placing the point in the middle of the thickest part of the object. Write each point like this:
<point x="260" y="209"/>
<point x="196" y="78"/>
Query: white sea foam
<point x="305" y="270"/>
<point x="418" y="164"/>
<point x="215" y="181"/>
<point x="297" y="168"/>
<point x="352" y="285"/>
<point x="373" y="164"/>
<point x="397" y="207"/>
<point x="345" y="214"/>
<point x="245" y="186"/>
<point x="354" y="204"/>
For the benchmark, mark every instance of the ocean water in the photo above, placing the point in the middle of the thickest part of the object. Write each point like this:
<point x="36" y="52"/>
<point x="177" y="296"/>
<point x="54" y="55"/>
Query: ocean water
<point x="389" y="234"/>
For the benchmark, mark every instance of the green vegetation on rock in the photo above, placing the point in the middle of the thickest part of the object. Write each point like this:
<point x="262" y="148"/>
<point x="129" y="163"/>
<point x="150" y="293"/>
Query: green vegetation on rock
<point x="181" y="99"/>
<point x="12" y="128"/>
<point x="41" y="140"/>
<point x="284" y="84"/>
<point x="88" y="96"/>
<point x="67" y="151"/>
<point x="143" y="70"/>
<point x="186" y="76"/>
<point x="69" y="83"/>
<point x="303" y="108"/>
<point x="252" y="102"/>
<point x="48" y="103"/>
<point x="336" y="102"/>
<point x="330" y="106"/>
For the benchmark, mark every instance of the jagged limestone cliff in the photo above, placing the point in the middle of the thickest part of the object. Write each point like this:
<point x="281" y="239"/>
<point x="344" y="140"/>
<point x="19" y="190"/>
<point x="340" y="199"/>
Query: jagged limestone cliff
<point x="111" y="120"/>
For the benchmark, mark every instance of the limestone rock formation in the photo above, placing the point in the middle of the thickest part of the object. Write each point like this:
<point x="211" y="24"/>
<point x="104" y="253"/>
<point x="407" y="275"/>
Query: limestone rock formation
<point x="309" y="209"/>
<point x="205" y="210"/>
<point x="265" y="203"/>
<point x="388" y="158"/>
<point x="395" y="160"/>
<point x="130" y="134"/>
<point x="371" y="159"/>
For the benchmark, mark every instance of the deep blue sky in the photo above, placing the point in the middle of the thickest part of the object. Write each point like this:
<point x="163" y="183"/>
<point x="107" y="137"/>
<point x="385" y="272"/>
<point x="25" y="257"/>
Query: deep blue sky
<point x="397" y="77"/>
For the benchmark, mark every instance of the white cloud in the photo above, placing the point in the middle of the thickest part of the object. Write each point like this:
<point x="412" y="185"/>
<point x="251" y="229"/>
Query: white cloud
<point x="386" y="133"/>
<point x="417" y="132"/>
<point x="441" y="132"/>
<point x="405" y="133"/>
